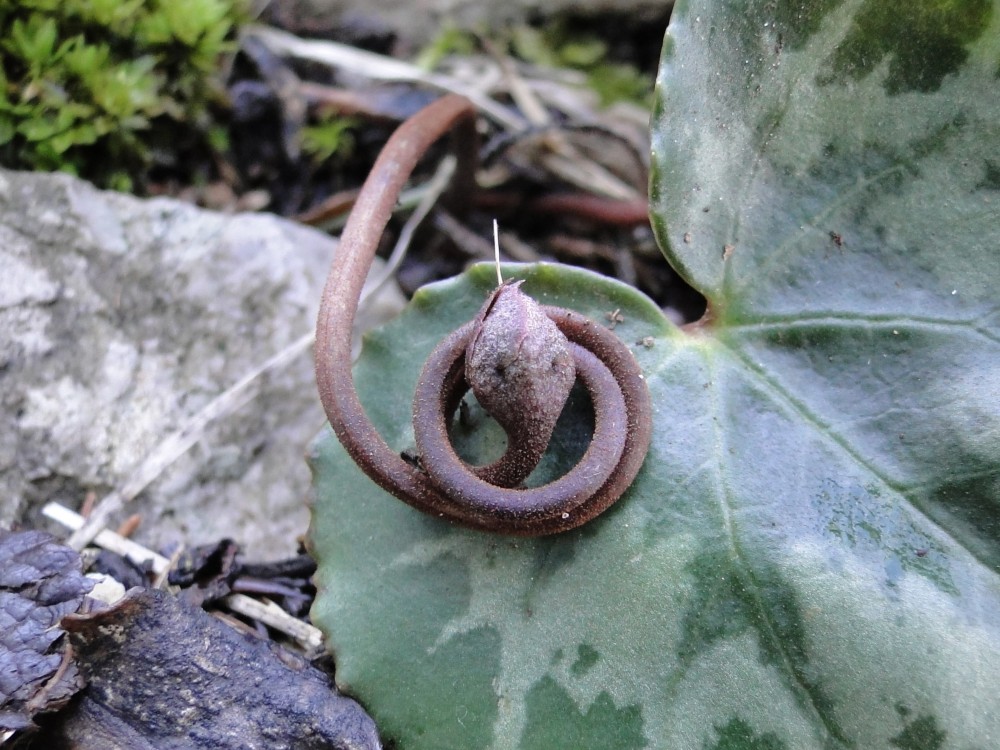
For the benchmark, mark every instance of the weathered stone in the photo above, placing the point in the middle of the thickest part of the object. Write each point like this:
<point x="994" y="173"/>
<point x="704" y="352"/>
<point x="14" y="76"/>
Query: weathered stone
<point x="421" y="21"/>
<point x="119" y="320"/>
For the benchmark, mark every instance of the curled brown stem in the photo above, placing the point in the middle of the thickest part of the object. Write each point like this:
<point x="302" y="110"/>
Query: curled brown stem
<point x="445" y="486"/>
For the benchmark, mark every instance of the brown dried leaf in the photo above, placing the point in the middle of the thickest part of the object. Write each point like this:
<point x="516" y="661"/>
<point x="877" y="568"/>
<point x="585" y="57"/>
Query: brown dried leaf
<point x="40" y="581"/>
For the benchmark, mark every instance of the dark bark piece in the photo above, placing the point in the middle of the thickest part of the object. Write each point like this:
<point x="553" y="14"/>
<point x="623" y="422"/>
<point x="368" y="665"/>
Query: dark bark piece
<point x="206" y="573"/>
<point x="40" y="582"/>
<point x="128" y="573"/>
<point x="163" y="674"/>
<point x="300" y="566"/>
<point x="208" y="562"/>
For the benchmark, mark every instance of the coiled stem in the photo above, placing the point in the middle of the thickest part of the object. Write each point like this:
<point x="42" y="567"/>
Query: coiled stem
<point x="445" y="486"/>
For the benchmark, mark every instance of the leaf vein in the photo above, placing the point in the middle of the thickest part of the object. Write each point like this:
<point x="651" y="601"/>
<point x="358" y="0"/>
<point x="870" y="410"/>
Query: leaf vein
<point x="804" y="691"/>
<point x="781" y="396"/>
<point x="869" y="321"/>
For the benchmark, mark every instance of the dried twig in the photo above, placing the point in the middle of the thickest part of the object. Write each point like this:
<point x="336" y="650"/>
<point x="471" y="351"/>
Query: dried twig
<point x="109" y="540"/>
<point x="562" y="159"/>
<point x="267" y="612"/>
<point x="437" y="185"/>
<point x="378" y="67"/>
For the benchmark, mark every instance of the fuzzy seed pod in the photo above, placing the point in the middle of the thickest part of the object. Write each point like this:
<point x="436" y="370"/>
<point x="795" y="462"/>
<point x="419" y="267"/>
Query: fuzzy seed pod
<point x="520" y="368"/>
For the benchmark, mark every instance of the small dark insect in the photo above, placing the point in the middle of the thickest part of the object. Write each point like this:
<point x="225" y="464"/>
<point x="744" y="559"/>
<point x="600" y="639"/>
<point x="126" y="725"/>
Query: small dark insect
<point x="838" y="239"/>
<point x="412" y="458"/>
<point x="922" y="552"/>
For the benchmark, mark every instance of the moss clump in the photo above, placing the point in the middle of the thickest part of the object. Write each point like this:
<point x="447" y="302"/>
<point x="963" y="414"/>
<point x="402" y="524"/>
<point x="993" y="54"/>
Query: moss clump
<point x="557" y="46"/>
<point x="96" y="87"/>
<point x="329" y="138"/>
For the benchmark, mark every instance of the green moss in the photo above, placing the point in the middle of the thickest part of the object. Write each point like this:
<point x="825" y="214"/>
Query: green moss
<point x="91" y="87"/>
<point x="557" y="47"/>
<point x="329" y="138"/>
<point x="451" y="40"/>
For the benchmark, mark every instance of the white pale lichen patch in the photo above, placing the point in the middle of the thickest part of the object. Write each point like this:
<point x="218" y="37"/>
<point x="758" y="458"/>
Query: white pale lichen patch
<point x="71" y="411"/>
<point x="24" y="283"/>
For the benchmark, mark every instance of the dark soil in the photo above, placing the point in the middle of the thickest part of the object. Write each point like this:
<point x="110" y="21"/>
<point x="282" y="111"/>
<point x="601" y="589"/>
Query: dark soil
<point x="263" y="168"/>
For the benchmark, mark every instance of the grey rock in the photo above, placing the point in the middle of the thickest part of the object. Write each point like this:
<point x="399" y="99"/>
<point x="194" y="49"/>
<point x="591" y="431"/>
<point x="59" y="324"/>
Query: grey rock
<point x="122" y="318"/>
<point x="421" y="20"/>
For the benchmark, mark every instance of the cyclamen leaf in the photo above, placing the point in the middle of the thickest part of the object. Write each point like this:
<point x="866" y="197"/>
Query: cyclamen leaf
<point x="809" y="557"/>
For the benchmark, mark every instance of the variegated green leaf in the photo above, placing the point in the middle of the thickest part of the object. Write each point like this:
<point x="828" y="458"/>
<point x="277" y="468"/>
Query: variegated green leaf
<point x="809" y="557"/>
